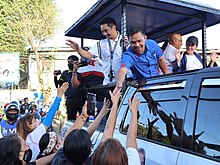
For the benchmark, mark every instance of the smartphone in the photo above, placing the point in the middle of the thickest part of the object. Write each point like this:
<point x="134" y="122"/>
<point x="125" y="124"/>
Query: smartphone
<point x="91" y="103"/>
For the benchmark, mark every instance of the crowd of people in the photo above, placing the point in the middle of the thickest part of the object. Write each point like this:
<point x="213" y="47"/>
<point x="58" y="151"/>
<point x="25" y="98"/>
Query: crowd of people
<point x="24" y="137"/>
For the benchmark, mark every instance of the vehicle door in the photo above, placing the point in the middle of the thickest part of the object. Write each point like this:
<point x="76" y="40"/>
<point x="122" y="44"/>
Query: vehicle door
<point x="202" y="123"/>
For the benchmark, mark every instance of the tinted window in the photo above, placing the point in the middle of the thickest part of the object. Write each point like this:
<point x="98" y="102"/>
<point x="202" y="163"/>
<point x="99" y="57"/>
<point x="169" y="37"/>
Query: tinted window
<point x="161" y="112"/>
<point x="208" y="119"/>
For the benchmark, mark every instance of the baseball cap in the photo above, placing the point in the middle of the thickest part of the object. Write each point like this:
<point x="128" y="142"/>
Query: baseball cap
<point x="193" y="39"/>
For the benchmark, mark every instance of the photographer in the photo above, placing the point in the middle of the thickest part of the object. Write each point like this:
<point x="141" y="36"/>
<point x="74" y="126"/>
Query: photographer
<point x="72" y="94"/>
<point x="87" y="76"/>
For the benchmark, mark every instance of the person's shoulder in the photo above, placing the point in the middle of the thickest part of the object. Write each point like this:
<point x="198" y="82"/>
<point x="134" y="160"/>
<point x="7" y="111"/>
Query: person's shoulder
<point x="60" y="158"/>
<point x="151" y="42"/>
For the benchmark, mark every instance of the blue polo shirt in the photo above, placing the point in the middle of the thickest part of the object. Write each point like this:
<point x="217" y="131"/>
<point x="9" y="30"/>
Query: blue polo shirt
<point x="143" y="65"/>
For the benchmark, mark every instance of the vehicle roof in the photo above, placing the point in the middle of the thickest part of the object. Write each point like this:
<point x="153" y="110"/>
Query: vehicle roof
<point x="157" y="17"/>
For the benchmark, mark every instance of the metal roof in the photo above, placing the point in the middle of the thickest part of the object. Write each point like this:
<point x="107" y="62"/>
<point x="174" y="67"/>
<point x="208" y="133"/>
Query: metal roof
<point x="157" y="17"/>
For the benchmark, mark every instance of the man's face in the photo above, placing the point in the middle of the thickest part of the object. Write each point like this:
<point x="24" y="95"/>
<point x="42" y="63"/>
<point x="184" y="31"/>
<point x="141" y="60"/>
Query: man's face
<point x="107" y="31"/>
<point x="137" y="42"/>
<point x="178" y="41"/>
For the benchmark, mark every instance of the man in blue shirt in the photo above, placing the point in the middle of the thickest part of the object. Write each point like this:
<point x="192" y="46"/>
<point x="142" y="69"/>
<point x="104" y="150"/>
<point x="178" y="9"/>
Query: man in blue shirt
<point x="142" y="58"/>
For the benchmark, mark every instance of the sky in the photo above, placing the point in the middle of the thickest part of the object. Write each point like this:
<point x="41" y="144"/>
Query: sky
<point x="72" y="10"/>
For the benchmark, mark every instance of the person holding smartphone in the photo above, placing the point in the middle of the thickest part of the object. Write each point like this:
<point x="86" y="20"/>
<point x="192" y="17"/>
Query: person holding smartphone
<point x="72" y="95"/>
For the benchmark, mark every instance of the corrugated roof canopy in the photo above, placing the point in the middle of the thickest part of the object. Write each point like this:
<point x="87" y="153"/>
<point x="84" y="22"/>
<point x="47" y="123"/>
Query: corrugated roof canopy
<point x="157" y="17"/>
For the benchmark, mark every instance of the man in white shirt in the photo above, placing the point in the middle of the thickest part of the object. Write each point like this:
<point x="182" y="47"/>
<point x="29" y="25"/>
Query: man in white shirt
<point x="108" y="49"/>
<point x="175" y="43"/>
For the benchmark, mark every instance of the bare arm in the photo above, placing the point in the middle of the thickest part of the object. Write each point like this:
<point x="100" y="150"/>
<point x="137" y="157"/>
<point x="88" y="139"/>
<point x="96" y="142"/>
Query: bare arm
<point x="75" y="46"/>
<point x="45" y="160"/>
<point x="162" y="64"/>
<point x="120" y="79"/>
<point x="132" y="129"/>
<point x="80" y="120"/>
<point x="74" y="80"/>
<point x="110" y="125"/>
<point x="105" y="109"/>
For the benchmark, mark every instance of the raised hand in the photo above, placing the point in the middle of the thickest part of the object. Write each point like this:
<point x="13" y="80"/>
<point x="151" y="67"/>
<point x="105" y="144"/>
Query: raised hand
<point x="105" y="108"/>
<point x="62" y="89"/>
<point x="214" y="56"/>
<point x="73" y="45"/>
<point x="115" y="97"/>
<point x="84" y="110"/>
<point x="134" y="105"/>
<point x="178" y="56"/>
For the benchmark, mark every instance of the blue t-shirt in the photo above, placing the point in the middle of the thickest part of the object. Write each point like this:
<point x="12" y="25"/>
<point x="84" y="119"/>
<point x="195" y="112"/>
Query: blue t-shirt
<point x="6" y="128"/>
<point x="144" y="65"/>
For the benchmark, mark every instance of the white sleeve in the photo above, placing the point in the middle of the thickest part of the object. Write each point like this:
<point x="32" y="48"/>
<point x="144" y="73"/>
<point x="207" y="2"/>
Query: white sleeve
<point x="133" y="157"/>
<point x="94" y="50"/>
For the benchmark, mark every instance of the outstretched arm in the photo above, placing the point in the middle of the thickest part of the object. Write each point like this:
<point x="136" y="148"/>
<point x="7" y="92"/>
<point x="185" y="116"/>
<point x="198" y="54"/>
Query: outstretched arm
<point x="132" y="129"/>
<point x="120" y="79"/>
<point x="110" y="124"/>
<point x="105" y="109"/>
<point x="52" y="111"/>
<point x="75" y="46"/>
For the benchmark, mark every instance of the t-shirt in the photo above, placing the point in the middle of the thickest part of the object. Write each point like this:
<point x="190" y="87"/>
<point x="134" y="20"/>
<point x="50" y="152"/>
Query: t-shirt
<point x="72" y="94"/>
<point x="7" y="128"/>
<point x="169" y="57"/>
<point x="60" y="159"/>
<point x="193" y="63"/>
<point x="33" y="139"/>
<point x="133" y="157"/>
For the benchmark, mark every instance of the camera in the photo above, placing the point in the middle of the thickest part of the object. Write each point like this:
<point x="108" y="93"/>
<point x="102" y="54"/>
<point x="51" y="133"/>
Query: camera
<point x="83" y="63"/>
<point x="57" y="72"/>
<point x="91" y="104"/>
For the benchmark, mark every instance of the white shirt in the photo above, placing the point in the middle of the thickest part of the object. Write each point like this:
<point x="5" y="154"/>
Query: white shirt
<point x="133" y="157"/>
<point x="169" y="57"/>
<point x="106" y="57"/>
<point x="193" y="63"/>
<point x="33" y="139"/>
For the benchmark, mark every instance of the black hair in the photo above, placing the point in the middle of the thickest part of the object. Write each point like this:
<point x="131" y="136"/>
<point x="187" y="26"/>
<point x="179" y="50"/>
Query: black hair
<point x="44" y="140"/>
<point x="109" y="21"/>
<point x="133" y="30"/>
<point x="77" y="146"/>
<point x="10" y="147"/>
<point x="73" y="57"/>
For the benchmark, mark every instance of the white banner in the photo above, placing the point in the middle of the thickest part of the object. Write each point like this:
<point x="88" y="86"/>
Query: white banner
<point x="9" y="67"/>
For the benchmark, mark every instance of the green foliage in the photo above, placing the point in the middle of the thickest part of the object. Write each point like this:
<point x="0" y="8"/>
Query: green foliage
<point x="27" y="24"/>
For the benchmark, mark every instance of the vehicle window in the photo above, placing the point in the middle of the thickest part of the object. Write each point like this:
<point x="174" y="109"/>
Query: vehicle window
<point x="161" y="112"/>
<point x="207" y="132"/>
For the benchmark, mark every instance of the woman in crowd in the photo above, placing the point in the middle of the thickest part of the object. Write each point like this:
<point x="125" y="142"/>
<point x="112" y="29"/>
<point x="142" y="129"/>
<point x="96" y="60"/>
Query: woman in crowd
<point x="49" y="144"/>
<point x="191" y="60"/>
<point x="31" y="132"/>
<point x="15" y="151"/>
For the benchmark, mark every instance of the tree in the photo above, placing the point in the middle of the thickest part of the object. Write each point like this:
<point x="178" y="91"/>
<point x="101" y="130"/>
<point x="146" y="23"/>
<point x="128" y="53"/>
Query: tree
<point x="32" y="21"/>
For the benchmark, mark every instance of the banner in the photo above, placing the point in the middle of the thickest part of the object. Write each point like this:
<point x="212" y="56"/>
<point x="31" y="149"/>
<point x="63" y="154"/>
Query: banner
<point x="9" y="67"/>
